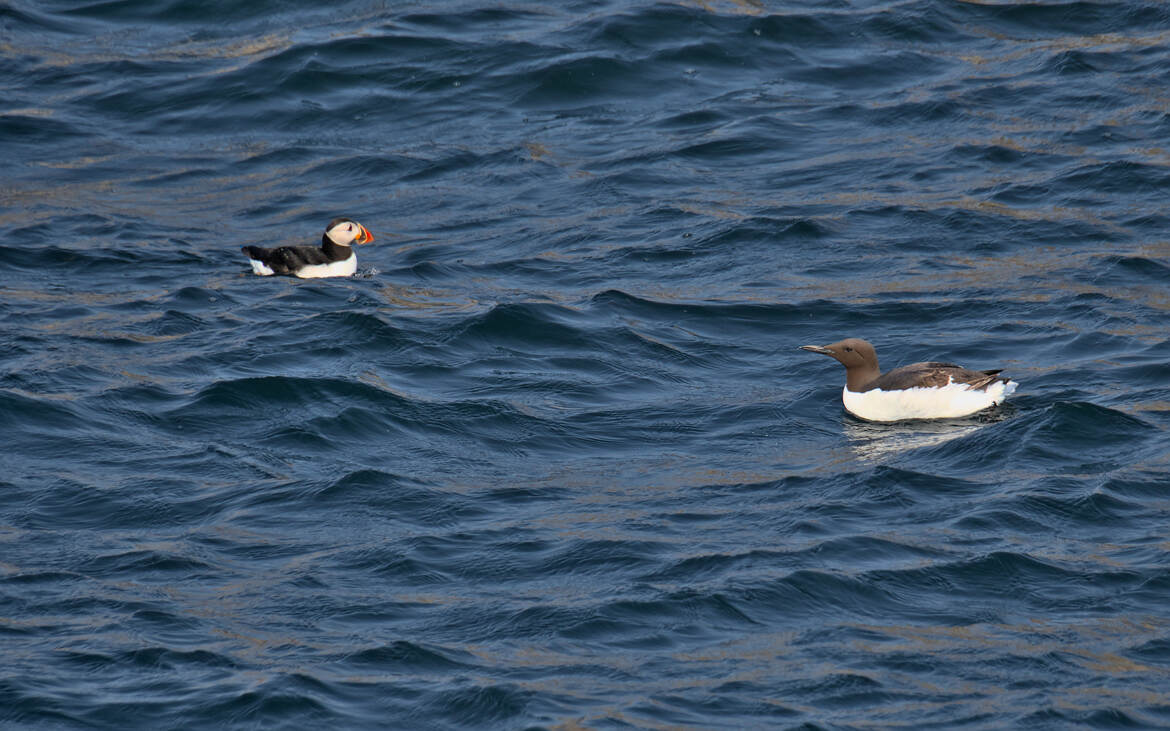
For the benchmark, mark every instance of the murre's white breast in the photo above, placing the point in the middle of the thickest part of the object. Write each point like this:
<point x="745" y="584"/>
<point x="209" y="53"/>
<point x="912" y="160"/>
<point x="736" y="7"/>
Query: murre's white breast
<point x="950" y="401"/>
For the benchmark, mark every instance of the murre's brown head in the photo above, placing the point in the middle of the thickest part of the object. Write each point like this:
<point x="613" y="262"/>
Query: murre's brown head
<point x="858" y="357"/>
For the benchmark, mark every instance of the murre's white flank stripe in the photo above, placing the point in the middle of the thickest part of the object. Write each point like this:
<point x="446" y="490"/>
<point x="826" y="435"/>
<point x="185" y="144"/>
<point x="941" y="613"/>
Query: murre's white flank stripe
<point x="950" y="401"/>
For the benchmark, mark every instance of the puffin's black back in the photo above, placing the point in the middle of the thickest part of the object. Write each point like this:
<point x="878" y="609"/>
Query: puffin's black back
<point x="288" y="259"/>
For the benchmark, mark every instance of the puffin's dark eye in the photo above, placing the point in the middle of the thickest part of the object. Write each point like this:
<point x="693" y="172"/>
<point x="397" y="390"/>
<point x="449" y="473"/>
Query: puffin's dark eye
<point x="848" y="349"/>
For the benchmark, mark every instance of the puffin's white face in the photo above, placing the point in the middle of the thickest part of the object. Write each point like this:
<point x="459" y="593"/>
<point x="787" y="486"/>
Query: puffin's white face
<point x="344" y="232"/>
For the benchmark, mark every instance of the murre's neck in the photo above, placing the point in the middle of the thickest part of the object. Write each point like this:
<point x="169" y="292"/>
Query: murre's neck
<point x="859" y="376"/>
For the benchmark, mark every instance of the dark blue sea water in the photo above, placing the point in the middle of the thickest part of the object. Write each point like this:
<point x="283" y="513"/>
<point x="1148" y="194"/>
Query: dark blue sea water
<point x="552" y="458"/>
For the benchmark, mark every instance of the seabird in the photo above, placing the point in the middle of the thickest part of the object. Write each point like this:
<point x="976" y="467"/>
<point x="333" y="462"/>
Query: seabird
<point x="916" y="391"/>
<point x="334" y="258"/>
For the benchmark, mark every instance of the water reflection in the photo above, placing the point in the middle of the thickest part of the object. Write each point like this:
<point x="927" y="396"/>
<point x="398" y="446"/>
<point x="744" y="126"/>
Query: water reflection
<point x="876" y="442"/>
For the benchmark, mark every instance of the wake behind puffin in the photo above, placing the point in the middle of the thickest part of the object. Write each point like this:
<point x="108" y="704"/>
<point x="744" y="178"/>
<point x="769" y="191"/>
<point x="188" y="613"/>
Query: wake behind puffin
<point x="334" y="258"/>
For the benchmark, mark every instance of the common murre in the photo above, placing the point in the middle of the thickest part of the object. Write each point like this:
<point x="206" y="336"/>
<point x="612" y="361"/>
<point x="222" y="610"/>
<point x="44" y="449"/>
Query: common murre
<point x="916" y="391"/>
<point x="334" y="258"/>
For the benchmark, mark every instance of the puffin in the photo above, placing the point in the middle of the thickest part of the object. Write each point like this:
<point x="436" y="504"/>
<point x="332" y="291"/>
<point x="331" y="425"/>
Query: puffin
<point x="334" y="258"/>
<point x="915" y="391"/>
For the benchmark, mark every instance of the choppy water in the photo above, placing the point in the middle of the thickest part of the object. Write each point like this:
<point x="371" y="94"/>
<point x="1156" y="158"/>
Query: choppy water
<point x="552" y="458"/>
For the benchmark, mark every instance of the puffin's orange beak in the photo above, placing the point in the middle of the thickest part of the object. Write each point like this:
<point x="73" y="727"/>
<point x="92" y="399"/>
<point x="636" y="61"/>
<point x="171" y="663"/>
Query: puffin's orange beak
<point x="365" y="236"/>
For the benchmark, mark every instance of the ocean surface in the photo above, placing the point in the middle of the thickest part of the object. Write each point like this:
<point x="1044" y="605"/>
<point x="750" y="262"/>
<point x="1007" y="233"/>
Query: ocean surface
<point x="552" y="458"/>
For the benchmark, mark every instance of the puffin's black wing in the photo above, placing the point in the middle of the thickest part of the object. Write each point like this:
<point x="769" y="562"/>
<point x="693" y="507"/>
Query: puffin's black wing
<point x="286" y="259"/>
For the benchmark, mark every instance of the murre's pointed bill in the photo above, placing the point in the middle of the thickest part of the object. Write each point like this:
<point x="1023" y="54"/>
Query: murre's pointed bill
<point x="916" y="391"/>
<point x="333" y="258"/>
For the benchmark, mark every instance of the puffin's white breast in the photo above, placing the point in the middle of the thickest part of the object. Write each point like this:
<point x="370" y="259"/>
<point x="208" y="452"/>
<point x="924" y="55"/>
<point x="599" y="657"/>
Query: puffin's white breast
<point x="949" y="401"/>
<point x="343" y="268"/>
